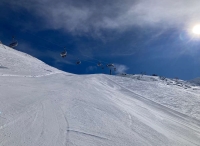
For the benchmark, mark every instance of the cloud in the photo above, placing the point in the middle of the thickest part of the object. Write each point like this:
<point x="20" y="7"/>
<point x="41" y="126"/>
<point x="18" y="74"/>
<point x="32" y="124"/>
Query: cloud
<point x="91" y="68"/>
<point x="121" y="68"/>
<point x="92" y="16"/>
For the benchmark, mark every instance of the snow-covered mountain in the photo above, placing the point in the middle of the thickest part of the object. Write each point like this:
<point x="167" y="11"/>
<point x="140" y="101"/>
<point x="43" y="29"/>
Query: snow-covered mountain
<point x="15" y="63"/>
<point x="195" y="81"/>
<point x="43" y="106"/>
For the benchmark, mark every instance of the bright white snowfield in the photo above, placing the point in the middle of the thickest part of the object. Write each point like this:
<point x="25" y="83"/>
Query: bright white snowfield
<point x="43" y="106"/>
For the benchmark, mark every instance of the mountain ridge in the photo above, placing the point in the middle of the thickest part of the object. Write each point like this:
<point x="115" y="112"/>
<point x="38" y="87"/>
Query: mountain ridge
<point x="39" y="107"/>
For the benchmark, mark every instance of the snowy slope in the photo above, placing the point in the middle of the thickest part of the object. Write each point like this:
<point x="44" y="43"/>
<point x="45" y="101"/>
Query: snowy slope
<point x="60" y="109"/>
<point x="15" y="63"/>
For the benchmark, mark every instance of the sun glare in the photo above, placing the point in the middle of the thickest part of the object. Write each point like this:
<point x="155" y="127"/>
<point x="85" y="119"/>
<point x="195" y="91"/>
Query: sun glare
<point x="196" y="29"/>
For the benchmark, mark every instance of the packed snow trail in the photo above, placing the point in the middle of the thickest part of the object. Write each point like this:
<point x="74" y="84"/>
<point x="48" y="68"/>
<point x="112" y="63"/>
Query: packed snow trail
<point x="62" y="109"/>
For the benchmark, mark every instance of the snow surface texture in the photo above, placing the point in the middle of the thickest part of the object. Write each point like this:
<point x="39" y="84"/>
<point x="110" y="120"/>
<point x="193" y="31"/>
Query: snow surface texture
<point x="42" y="106"/>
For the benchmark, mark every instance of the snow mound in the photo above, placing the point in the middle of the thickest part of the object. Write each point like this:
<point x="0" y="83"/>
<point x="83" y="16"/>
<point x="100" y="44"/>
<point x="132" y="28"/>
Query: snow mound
<point x="176" y="82"/>
<point x="195" y="81"/>
<point x="16" y="63"/>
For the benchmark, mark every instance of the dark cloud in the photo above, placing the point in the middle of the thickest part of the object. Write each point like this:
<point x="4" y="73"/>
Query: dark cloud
<point x="90" y="15"/>
<point x="137" y="18"/>
<point x="75" y="16"/>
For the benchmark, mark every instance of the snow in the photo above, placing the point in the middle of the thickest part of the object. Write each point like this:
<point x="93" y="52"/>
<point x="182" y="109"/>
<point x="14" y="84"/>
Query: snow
<point x="15" y="63"/>
<point x="195" y="81"/>
<point x="43" y="106"/>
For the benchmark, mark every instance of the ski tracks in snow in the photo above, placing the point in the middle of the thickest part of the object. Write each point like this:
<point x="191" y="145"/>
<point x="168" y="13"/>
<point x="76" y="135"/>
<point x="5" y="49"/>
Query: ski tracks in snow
<point x="67" y="141"/>
<point x="186" y="129"/>
<point x="158" y="105"/>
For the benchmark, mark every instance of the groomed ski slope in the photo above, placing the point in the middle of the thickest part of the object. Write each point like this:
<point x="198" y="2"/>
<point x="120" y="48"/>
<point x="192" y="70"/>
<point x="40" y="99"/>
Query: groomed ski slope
<point x="42" y="106"/>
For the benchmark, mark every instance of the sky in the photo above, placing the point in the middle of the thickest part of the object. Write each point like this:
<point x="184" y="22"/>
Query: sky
<point x="137" y="36"/>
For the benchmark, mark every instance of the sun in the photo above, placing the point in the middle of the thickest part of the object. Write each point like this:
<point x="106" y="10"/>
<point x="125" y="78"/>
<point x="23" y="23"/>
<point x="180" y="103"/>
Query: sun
<point x="196" y="29"/>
